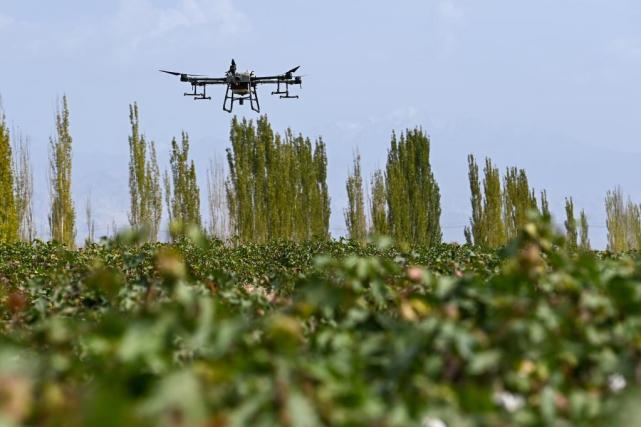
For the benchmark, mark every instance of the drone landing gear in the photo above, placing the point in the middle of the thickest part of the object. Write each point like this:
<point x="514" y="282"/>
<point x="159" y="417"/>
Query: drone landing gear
<point x="199" y="96"/>
<point x="284" y="94"/>
<point x="230" y="96"/>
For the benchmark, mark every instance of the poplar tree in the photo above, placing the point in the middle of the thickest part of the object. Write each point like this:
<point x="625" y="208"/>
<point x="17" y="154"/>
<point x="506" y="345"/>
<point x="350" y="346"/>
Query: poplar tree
<point x="616" y="221"/>
<point x="153" y="198"/>
<point x="9" y="224"/>
<point x="584" y="239"/>
<point x="467" y="234"/>
<point x="321" y="209"/>
<point x="355" y="212"/>
<point x="413" y="196"/>
<point x="216" y="200"/>
<point x="518" y="200"/>
<point x="494" y="225"/>
<point x="144" y="179"/>
<point x="62" y="216"/>
<point x="633" y="225"/>
<point x="378" y="205"/>
<point x="261" y="174"/>
<point x="23" y="176"/>
<point x="571" y="233"/>
<point x="238" y="185"/>
<point x="475" y="233"/>
<point x="181" y="188"/>
<point x="89" y="221"/>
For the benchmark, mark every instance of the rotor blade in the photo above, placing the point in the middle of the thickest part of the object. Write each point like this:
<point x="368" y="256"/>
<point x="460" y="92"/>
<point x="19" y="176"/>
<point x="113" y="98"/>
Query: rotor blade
<point x="293" y="70"/>
<point x="174" y="73"/>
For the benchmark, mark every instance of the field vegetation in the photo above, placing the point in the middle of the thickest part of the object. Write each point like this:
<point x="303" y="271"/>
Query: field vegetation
<point x="198" y="333"/>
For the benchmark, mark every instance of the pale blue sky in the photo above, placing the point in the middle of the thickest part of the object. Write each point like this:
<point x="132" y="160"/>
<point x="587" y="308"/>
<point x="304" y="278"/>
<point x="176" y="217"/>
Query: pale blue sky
<point x="549" y="85"/>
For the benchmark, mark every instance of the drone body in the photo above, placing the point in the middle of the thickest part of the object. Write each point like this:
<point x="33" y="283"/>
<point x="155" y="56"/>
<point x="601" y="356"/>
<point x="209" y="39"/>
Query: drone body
<point x="241" y="86"/>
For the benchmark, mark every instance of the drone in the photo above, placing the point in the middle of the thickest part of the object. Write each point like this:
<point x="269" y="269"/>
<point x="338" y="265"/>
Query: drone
<point x="241" y="86"/>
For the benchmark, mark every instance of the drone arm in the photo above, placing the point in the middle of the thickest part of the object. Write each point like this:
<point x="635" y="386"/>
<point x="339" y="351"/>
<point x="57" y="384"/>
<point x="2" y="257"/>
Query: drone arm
<point x="197" y="79"/>
<point x="204" y="81"/>
<point x="276" y="79"/>
<point x="280" y="81"/>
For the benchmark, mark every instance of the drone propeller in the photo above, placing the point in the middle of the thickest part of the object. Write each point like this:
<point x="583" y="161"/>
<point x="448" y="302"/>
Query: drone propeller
<point x="291" y="72"/>
<point x="174" y="73"/>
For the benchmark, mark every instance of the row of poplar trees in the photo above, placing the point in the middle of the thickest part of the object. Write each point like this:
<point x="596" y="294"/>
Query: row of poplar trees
<point x="16" y="183"/>
<point x="181" y="190"/>
<point x="405" y="201"/>
<point x="276" y="188"/>
<point x="182" y="193"/>
<point x="501" y="206"/>
<point x="277" y="185"/>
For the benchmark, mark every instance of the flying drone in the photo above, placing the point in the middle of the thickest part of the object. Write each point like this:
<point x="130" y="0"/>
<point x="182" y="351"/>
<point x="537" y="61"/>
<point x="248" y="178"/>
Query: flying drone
<point x="241" y="86"/>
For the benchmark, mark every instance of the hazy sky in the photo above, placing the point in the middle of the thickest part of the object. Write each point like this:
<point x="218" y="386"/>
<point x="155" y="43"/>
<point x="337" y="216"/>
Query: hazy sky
<point x="549" y="85"/>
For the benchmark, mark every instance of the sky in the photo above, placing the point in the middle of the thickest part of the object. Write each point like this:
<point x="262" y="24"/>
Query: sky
<point x="551" y="86"/>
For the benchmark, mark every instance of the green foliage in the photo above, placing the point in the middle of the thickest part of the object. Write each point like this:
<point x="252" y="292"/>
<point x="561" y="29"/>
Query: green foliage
<point x="487" y="222"/>
<point x="633" y="217"/>
<point x="584" y="243"/>
<point x="545" y="206"/>
<point x="413" y="196"/>
<point x="518" y="201"/>
<point x="144" y="180"/>
<point x="616" y="221"/>
<point x="492" y="206"/>
<point x="475" y="234"/>
<point x="355" y="213"/>
<point x="23" y="179"/>
<point x="90" y="222"/>
<point x="277" y="186"/>
<point x="623" y="222"/>
<point x="378" y="205"/>
<point x="62" y="219"/>
<point x="9" y="221"/>
<point x="181" y="189"/>
<point x="217" y="201"/>
<point x="571" y="233"/>
<point x="322" y="333"/>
